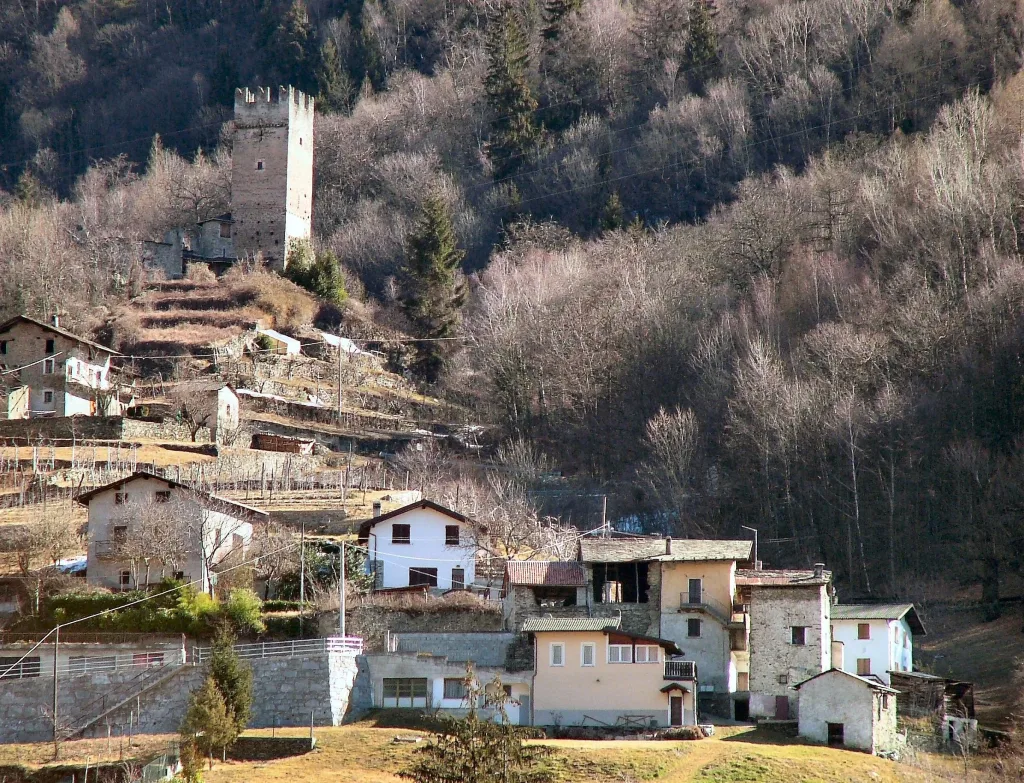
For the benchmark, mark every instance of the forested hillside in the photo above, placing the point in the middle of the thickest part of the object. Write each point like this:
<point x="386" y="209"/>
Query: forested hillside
<point x="748" y="263"/>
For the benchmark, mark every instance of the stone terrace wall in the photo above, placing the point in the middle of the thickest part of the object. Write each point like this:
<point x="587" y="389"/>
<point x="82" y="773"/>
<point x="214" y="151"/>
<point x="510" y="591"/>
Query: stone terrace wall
<point x="96" y="428"/>
<point x="288" y="691"/>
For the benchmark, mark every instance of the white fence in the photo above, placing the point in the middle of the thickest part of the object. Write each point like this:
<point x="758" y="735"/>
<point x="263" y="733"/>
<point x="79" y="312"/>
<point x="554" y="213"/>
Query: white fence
<point x="350" y="645"/>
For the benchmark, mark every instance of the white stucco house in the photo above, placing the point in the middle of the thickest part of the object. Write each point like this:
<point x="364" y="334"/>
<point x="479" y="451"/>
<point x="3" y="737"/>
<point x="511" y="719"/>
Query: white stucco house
<point x="281" y="343"/>
<point x="145" y="527"/>
<point x="421" y="544"/>
<point x="846" y="711"/>
<point x="877" y="638"/>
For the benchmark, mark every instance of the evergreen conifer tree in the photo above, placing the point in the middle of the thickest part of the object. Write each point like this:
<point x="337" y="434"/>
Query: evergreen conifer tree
<point x="224" y="79"/>
<point x="555" y="12"/>
<point x="208" y="726"/>
<point x="292" y="53"/>
<point x="613" y="217"/>
<point x="233" y="680"/>
<point x="700" y="55"/>
<point x="513" y="129"/>
<point x="434" y="289"/>
<point x="333" y="81"/>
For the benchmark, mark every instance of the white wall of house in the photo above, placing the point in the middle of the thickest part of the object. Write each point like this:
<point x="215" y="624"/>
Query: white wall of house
<point x="426" y="549"/>
<point x="223" y="533"/>
<point x="867" y="716"/>
<point x="890" y="648"/>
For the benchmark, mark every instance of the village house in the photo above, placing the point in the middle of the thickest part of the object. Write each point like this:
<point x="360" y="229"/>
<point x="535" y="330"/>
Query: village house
<point x="877" y="638"/>
<point x="790" y="636"/>
<point x="588" y="672"/>
<point x="532" y="588"/>
<point x="429" y="671"/>
<point x="145" y="527"/>
<point x="683" y="590"/>
<point x="49" y="371"/>
<point x="421" y="544"/>
<point x="280" y="343"/>
<point x="846" y="711"/>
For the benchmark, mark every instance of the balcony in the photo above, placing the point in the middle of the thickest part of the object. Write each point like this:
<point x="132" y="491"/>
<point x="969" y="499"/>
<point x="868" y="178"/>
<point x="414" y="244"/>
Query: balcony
<point x="680" y="670"/>
<point x="720" y="612"/>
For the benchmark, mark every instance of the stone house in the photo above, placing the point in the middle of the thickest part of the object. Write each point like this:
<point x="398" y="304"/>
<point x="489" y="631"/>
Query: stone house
<point x="49" y="371"/>
<point x="588" y="672"/>
<point x="421" y="544"/>
<point x="846" y="711"/>
<point x="208" y="242"/>
<point x="790" y="636"/>
<point x="877" y="638"/>
<point x="146" y="527"/>
<point x="532" y="588"/>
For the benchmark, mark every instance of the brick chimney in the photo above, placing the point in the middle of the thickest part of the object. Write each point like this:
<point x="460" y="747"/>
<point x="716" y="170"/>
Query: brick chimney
<point x="668" y="545"/>
<point x="819" y="570"/>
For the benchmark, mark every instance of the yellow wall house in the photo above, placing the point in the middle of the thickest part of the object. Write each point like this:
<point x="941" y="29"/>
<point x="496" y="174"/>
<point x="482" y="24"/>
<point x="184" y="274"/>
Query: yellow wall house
<point x="589" y="673"/>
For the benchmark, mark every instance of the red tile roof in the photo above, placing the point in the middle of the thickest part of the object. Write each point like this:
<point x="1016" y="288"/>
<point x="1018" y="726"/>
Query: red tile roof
<point x="537" y="573"/>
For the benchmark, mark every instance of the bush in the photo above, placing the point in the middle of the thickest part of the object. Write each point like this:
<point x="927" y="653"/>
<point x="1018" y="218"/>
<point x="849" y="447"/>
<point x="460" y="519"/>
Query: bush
<point x="243" y="610"/>
<point x="280" y="605"/>
<point x="318" y="273"/>
<point x="682" y="733"/>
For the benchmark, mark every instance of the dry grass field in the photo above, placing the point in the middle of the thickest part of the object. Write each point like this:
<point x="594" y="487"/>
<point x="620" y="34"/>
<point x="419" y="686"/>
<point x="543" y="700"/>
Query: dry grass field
<point x="363" y="754"/>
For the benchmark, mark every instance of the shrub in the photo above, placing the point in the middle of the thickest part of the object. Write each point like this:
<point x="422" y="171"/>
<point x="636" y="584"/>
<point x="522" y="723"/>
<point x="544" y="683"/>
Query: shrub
<point x="682" y="733"/>
<point x="318" y="273"/>
<point x="243" y="610"/>
<point x="280" y="605"/>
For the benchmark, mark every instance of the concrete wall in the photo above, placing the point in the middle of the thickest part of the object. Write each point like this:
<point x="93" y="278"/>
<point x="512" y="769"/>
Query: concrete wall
<point x="373" y="622"/>
<point x="287" y="692"/>
<point x="773" y="613"/>
<point x="568" y="694"/>
<point x="836" y="698"/>
<point x="427" y="548"/>
<point x="484" y="649"/>
<point x="885" y="649"/>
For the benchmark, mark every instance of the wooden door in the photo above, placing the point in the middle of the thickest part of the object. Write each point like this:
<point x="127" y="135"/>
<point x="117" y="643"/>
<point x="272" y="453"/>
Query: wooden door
<point x="781" y="708"/>
<point x="675" y="704"/>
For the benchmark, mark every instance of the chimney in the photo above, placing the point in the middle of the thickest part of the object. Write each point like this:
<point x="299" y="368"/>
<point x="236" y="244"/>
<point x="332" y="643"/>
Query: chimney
<point x="668" y="545"/>
<point x="758" y="565"/>
<point x="376" y="509"/>
<point x="55" y="320"/>
<point x="819" y="570"/>
<point x="838" y="661"/>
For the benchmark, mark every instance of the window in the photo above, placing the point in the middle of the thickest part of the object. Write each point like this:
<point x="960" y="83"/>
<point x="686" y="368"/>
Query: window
<point x="120" y="534"/>
<point x="125" y="579"/>
<point x="48" y="397"/>
<point x="693" y="628"/>
<point x="48" y="367"/>
<point x="647" y="653"/>
<point x="885" y="702"/>
<point x="863" y="630"/>
<point x="798" y="635"/>
<point x="451" y="535"/>
<point x="259" y="165"/>
<point x="783" y="679"/>
<point x="3" y="347"/>
<point x="423" y="576"/>
<point x="587" y="657"/>
<point x="405" y="689"/>
<point x="120" y="498"/>
<point x="863" y="666"/>
<point x="49" y="346"/>
<point x="554" y="597"/>
<point x="179" y="576"/>
<point x="225" y="230"/>
<point x="400" y="534"/>
<point x="14" y="668"/>
<point x="620" y="653"/>
<point x="454" y="688"/>
<point x="163" y="496"/>
<point x="695" y="591"/>
<point x="458" y="578"/>
<point x="557" y="654"/>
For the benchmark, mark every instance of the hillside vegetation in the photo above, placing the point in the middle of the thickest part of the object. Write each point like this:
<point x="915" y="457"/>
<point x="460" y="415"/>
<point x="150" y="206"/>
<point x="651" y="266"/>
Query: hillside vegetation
<point x="739" y="263"/>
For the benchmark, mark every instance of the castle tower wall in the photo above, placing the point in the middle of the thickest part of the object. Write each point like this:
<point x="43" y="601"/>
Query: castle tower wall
<point x="272" y="172"/>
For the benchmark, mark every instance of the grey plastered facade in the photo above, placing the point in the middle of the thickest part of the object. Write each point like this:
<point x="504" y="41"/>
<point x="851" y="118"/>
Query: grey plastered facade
<point x="867" y="713"/>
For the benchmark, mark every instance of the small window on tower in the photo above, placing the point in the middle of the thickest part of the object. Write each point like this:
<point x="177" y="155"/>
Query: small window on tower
<point x="259" y="165"/>
<point x="225" y="230"/>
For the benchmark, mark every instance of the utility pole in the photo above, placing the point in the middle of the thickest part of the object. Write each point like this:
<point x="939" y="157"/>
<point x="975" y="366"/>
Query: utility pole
<point x="302" y="578"/>
<point x="340" y="394"/>
<point x="56" y="730"/>
<point x="604" y="517"/>
<point x="341" y="590"/>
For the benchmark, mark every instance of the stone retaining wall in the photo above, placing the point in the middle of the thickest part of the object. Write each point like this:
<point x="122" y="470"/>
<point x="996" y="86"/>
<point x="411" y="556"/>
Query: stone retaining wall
<point x="81" y="428"/>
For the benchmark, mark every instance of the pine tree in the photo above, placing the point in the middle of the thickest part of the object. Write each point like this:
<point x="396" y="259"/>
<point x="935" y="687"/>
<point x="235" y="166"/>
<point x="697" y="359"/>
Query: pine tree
<point x="434" y="291"/>
<point x="700" y="55"/>
<point x="513" y="130"/>
<point x="224" y="79"/>
<point x="555" y="13"/>
<point x="333" y="81"/>
<point x="291" y="52"/>
<point x="233" y="680"/>
<point x="660" y="30"/>
<point x="613" y="217"/>
<point x="208" y="726"/>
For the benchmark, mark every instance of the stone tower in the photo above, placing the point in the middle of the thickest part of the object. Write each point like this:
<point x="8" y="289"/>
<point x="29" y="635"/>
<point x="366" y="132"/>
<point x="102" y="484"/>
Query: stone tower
<point x="271" y="172"/>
